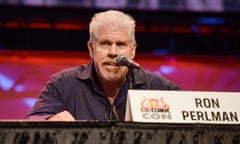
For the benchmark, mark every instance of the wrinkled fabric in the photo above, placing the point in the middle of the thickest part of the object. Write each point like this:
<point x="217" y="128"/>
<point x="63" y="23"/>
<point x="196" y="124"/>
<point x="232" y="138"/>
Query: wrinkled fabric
<point x="116" y="133"/>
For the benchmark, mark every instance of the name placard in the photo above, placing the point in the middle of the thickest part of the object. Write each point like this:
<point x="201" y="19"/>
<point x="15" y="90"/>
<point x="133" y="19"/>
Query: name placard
<point x="183" y="106"/>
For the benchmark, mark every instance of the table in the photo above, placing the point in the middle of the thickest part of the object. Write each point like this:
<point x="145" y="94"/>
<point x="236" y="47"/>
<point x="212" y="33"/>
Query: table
<point x="95" y="132"/>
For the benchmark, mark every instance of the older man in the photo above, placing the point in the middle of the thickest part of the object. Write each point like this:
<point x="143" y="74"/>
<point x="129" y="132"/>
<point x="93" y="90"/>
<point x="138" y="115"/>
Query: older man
<point x="98" y="91"/>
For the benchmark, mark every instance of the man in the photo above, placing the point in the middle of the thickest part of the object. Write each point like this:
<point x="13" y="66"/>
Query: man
<point x="98" y="91"/>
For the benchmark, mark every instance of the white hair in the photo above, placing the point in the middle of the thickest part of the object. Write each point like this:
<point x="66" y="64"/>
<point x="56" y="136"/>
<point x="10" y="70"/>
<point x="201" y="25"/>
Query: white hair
<point x="111" y="18"/>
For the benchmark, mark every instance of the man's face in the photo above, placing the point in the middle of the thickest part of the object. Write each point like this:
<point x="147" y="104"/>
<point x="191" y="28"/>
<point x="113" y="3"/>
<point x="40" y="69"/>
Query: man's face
<point x="111" y="42"/>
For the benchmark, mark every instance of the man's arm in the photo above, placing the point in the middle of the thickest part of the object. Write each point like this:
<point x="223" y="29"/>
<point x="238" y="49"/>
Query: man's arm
<point x="62" y="116"/>
<point x="49" y="103"/>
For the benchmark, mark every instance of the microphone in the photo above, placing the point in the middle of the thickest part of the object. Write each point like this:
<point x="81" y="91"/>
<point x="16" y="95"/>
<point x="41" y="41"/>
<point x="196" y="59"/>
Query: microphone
<point x="122" y="60"/>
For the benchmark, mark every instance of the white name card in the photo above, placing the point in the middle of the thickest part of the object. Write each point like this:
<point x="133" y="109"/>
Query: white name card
<point x="183" y="107"/>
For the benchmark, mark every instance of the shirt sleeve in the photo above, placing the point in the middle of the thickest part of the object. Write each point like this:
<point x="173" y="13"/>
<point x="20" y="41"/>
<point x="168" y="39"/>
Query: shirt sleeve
<point x="38" y="117"/>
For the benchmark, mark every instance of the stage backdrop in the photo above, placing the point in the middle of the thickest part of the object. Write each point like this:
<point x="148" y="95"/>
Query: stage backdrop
<point x="23" y="74"/>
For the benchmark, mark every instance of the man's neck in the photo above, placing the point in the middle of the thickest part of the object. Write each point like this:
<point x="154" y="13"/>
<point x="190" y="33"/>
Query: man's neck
<point x="111" y="89"/>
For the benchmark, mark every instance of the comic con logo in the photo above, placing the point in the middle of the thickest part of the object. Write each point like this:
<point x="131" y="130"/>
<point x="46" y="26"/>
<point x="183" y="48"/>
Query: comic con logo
<point x="153" y="108"/>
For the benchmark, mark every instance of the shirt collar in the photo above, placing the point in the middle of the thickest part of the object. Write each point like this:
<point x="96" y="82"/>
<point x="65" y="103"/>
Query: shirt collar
<point x="139" y="76"/>
<point x="87" y="72"/>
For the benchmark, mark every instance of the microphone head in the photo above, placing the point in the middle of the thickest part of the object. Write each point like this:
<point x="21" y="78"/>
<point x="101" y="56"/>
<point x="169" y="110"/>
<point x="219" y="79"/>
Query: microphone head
<point x="121" y="59"/>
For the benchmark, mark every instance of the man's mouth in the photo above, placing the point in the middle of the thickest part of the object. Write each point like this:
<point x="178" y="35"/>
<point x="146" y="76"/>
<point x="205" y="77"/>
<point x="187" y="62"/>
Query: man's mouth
<point x="110" y="63"/>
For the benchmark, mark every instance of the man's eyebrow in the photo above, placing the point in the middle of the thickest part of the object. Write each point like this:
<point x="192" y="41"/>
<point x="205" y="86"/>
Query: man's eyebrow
<point x="104" y="40"/>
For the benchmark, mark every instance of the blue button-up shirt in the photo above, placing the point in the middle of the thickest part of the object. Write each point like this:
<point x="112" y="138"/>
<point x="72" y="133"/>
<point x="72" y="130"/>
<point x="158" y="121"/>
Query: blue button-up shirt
<point x="78" y="91"/>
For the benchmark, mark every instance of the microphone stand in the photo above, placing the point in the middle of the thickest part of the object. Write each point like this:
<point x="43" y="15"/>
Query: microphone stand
<point x="131" y="79"/>
<point x="131" y="84"/>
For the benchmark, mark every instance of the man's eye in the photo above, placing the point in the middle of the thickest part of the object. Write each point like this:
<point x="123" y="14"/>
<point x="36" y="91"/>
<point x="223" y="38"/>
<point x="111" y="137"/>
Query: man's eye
<point x="105" y="43"/>
<point x="121" y="44"/>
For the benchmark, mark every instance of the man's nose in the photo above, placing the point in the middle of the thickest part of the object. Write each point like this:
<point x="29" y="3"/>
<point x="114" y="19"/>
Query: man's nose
<point x="113" y="50"/>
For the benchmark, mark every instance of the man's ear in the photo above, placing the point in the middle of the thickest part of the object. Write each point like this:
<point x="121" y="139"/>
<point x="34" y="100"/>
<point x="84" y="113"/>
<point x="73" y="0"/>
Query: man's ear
<point x="134" y="46"/>
<point x="90" y="48"/>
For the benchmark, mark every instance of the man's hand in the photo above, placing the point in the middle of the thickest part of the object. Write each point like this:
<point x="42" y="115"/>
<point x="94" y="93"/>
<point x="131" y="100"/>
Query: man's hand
<point x="62" y="116"/>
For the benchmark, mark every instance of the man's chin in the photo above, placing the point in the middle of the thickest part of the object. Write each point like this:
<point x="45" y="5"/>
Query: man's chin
<point x="112" y="76"/>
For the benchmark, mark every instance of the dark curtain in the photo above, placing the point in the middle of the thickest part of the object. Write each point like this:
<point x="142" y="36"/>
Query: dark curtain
<point x="116" y="133"/>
